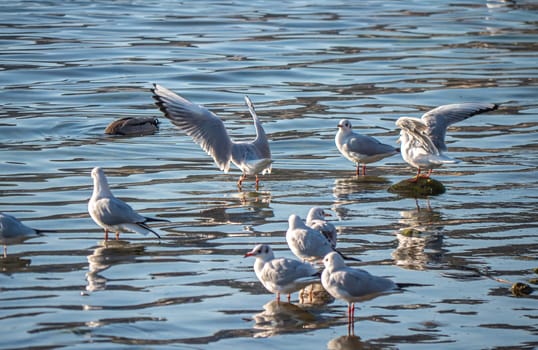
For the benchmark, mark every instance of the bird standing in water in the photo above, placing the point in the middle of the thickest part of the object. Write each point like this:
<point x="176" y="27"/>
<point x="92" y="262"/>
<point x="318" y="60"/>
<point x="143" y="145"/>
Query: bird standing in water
<point x="113" y="214"/>
<point x="208" y="131"/>
<point x="360" y="149"/>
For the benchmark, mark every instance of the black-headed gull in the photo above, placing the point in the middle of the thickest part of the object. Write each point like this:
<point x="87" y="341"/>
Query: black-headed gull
<point x="281" y="275"/>
<point x="208" y="131"/>
<point x="351" y="285"/>
<point x="306" y="243"/>
<point x="13" y="231"/>
<point x="130" y="126"/>
<point x="316" y="220"/>
<point x="423" y="140"/>
<point x="113" y="214"/>
<point x="360" y="149"/>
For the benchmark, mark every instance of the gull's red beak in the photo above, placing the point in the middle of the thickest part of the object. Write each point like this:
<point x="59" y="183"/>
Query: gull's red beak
<point x="248" y="254"/>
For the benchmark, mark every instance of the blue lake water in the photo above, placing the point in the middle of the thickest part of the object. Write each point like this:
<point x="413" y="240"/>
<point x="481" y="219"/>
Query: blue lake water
<point x="69" y="68"/>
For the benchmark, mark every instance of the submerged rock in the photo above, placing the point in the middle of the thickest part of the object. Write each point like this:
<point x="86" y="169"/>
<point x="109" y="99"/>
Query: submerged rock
<point x="421" y="188"/>
<point x="521" y="289"/>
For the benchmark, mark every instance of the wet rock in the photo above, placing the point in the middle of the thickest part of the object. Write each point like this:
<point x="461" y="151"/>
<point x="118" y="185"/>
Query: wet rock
<point x="421" y="188"/>
<point x="521" y="289"/>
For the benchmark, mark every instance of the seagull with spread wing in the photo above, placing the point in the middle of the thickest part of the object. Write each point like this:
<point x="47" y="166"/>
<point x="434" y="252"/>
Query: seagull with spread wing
<point x="208" y="131"/>
<point x="423" y="140"/>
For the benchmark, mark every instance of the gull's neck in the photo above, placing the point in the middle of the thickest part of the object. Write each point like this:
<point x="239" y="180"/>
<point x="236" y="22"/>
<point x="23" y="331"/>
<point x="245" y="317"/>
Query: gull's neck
<point x="100" y="187"/>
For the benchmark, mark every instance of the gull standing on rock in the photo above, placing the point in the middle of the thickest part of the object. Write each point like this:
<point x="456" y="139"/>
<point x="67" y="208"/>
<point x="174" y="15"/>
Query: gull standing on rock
<point x="208" y="131"/>
<point x="113" y="214"/>
<point x="423" y="140"/>
<point x="281" y="275"/>
<point x="13" y="231"/>
<point x="306" y="243"/>
<point x="316" y="220"/>
<point x="360" y="149"/>
<point x="351" y="285"/>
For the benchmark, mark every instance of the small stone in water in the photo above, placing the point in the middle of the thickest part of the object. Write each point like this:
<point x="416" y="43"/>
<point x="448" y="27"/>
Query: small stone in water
<point x="520" y="289"/>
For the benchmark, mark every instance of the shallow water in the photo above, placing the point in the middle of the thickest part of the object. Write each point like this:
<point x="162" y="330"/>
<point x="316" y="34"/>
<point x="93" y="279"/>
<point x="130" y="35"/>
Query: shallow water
<point x="70" y="68"/>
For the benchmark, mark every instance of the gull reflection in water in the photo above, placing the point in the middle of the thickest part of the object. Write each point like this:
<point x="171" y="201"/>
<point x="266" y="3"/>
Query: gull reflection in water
<point x="280" y="317"/>
<point x="109" y="254"/>
<point x="350" y="189"/>
<point x="420" y="240"/>
<point x="13" y="264"/>
<point x="351" y="342"/>
<point x="346" y="188"/>
<point x="247" y="208"/>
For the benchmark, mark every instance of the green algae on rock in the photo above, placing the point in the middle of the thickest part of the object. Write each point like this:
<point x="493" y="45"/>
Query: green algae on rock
<point x="423" y="187"/>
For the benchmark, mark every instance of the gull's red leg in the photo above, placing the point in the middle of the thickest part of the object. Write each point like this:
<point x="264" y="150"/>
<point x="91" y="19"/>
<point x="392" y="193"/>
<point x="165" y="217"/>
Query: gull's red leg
<point x="241" y="179"/>
<point x="415" y="179"/>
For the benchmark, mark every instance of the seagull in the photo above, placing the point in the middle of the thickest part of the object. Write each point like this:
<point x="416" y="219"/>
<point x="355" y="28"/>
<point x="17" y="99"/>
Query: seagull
<point x="306" y="243"/>
<point x="316" y="220"/>
<point x="208" y="131"/>
<point x="13" y="231"/>
<point x="360" y="149"/>
<point x="113" y="214"/>
<point x="351" y="285"/>
<point x="281" y="275"/>
<point x="423" y="140"/>
<point x="133" y="126"/>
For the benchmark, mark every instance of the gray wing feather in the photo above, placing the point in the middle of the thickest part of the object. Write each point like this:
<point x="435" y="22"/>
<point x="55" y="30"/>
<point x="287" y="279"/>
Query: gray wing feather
<point x="360" y="283"/>
<point x="113" y="211"/>
<point x="438" y="119"/>
<point x="418" y="132"/>
<point x="11" y="227"/>
<point x="367" y="145"/>
<point x="205" y="128"/>
<point x="284" y="271"/>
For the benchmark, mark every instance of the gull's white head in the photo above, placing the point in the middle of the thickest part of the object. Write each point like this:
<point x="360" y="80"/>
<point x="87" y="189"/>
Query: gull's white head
<point x="333" y="261"/>
<point x="344" y="125"/>
<point x="261" y="251"/>
<point x="294" y="221"/>
<point x="97" y="173"/>
<point x="100" y="183"/>
<point x="316" y="213"/>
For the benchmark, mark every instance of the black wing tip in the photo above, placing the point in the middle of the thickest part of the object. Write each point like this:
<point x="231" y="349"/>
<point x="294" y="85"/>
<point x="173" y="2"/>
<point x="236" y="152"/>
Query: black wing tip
<point x="407" y="285"/>
<point x="44" y="232"/>
<point x="156" y="219"/>
<point x="159" y="102"/>
<point x="345" y="257"/>
<point x="143" y="225"/>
